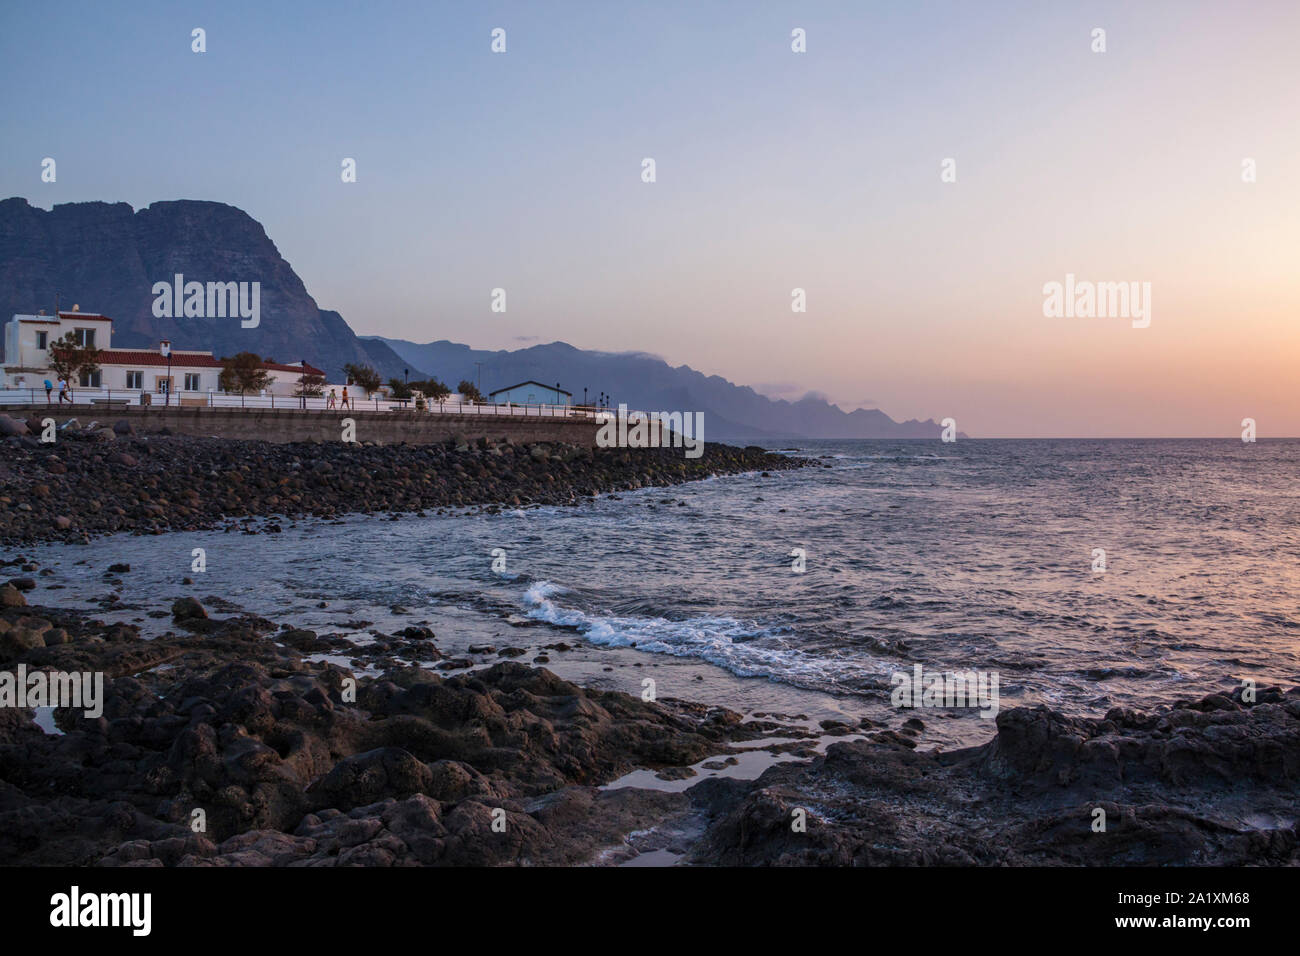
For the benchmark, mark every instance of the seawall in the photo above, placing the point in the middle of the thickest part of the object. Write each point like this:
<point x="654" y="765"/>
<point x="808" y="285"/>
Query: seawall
<point x="289" y="425"/>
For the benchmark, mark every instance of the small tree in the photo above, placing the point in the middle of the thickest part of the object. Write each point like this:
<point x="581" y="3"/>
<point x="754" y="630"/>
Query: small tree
<point x="433" y="390"/>
<point x="470" y="391"/>
<point x="399" y="388"/>
<point x="70" y="360"/>
<point x="363" y="376"/>
<point x="310" y="386"/>
<point x="437" y="391"/>
<point x="243" y="374"/>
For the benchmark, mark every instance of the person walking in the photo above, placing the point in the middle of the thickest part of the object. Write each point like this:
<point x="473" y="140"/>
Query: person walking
<point x="49" y="389"/>
<point x="346" y="400"/>
<point x="330" y="403"/>
<point x="63" y="392"/>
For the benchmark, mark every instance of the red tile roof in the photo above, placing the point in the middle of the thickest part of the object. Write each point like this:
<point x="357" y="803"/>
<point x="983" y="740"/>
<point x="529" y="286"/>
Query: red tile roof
<point x="185" y="360"/>
<point x="88" y="316"/>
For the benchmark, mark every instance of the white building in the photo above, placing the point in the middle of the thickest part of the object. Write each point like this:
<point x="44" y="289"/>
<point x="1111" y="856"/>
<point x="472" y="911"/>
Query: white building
<point x="194" y="374"/>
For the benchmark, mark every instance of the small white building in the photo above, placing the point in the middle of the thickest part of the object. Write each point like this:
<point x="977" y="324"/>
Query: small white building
<point x="194" y="374"/>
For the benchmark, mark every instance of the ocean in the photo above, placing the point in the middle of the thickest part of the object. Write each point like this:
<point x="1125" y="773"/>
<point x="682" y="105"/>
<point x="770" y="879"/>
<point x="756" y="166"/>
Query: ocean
<point x="980" y="554"/>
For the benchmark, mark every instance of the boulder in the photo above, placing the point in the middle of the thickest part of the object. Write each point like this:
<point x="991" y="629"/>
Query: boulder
<point x="10" y="596"/>
<point x="371" y="776"/>
<point x="187" y="609"/>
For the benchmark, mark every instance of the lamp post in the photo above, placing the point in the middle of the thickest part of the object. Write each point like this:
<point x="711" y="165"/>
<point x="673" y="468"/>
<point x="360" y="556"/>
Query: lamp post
<point x="302" y="386"/>
<point x="165" y="347"/>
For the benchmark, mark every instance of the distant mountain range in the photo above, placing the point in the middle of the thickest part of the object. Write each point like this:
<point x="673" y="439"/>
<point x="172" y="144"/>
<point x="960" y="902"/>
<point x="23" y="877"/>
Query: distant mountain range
<point x="648" y="383"/>
<point x="106" y="257"/>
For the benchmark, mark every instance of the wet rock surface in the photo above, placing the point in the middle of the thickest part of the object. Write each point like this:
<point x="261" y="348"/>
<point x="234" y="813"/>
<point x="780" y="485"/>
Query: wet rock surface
<point x="1203" y="782"/>
<point x="300" y="748"/>
<point x="294" y="762"/>
<point x="95" y="480"/>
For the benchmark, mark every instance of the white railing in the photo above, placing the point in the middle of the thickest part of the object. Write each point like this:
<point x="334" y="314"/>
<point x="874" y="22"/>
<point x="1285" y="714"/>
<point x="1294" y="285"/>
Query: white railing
<point x="118" y="397"/>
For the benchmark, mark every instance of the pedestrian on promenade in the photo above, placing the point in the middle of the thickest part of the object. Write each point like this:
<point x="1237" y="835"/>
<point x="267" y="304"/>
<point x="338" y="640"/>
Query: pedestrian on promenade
<point x="49" y="388"/>
<point x="330" y="403"/>
<point x="346" y="400"/>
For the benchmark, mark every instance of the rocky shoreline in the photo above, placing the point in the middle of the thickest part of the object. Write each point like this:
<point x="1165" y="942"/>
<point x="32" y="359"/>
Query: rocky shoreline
<point x="236" y="740"/>
<point x="106" y="478"/>
<point x="292" y="759"/>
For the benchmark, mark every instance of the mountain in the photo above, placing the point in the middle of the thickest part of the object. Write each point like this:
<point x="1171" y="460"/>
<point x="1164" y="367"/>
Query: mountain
<point x="648" y="383"/>
<point x="106" y="258"/>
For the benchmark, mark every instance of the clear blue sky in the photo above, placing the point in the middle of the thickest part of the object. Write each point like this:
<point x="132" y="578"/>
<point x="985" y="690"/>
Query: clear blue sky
<point x="775" y="171"/>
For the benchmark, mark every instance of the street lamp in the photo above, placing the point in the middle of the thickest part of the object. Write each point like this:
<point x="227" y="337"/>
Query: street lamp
<point x="165" y="347"/>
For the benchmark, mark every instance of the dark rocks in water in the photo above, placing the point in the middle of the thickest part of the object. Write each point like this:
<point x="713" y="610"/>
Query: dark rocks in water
<point x="1177" y="787"/>
<point x="293" y="763"/>
<point x="298" y="638"/>
<point x="675" y="773"/>
<point x="187" y="608"/>
<point x="23" y="584"/>
<point x="119" y="568"/>
<point x="149" y="484"/>
<point x="10" y="596"/>
<point x="303" y="762"/>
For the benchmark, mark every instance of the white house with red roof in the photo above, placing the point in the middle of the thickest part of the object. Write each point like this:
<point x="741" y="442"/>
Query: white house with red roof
<point x="193" y="374"/>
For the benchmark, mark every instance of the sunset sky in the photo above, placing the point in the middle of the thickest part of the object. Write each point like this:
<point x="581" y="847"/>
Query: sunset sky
<point x="775" y="170"/>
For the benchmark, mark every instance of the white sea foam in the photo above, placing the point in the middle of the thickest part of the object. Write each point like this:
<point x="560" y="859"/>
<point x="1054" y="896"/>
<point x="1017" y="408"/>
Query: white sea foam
<point x="744" y="649"/>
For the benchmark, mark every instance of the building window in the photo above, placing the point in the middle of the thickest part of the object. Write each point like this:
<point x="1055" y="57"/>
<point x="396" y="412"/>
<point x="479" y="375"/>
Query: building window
<point x="42" y="340"/>
<point x="90" y="381"/>
<point x="191" y="381"/>
<point x="135" y="379"/>
<point x="85" y="338"/>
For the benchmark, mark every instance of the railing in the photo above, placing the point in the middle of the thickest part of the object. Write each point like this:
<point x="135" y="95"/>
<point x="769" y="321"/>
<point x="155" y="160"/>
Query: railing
<point x="119" y="397"/>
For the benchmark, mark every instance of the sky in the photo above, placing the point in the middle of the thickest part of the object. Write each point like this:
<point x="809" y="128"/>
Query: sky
<point x="774" y="171"/>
